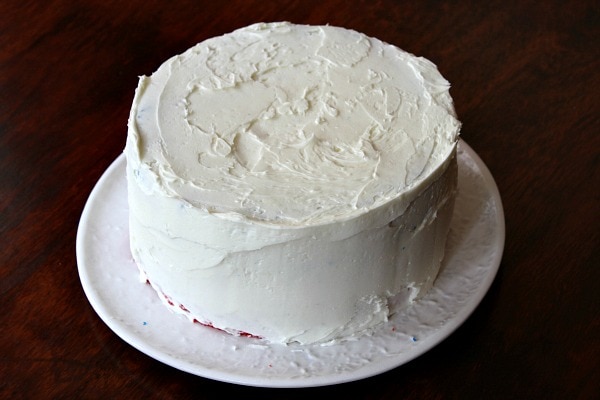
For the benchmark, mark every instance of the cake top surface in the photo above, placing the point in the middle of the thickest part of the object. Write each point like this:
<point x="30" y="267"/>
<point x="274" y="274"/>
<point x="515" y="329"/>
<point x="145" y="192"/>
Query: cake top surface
<point x="291" y="124"/>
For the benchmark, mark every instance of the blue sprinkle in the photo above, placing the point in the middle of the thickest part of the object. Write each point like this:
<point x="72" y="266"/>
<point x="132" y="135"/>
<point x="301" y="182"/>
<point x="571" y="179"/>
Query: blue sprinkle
<point x="144" y="323"/>
<point x="414" y="339"/>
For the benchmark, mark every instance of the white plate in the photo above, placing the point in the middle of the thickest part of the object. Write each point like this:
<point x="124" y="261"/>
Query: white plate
<point x="134" y="312"/>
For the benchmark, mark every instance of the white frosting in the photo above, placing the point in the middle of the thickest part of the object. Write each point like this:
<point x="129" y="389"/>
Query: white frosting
<point x="286" y="180"/>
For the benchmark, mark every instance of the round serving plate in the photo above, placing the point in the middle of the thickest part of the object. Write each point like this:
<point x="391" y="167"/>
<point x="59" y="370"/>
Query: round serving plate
<point x="134" y="312"/>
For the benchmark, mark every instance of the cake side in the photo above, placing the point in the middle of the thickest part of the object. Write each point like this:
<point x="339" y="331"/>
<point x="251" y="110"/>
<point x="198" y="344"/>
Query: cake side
<point x="286" y="181"/>
<point x="312" y="289"/>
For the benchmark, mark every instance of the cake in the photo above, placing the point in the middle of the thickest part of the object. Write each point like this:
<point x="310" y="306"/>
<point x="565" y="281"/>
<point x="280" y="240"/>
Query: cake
<point x="291" y="183"/>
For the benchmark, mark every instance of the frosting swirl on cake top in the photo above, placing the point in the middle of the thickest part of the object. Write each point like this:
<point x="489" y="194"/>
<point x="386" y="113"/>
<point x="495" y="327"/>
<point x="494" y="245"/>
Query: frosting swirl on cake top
<point x="291" y="124"/>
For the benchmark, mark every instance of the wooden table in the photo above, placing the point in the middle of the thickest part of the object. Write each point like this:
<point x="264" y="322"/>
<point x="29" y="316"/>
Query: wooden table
<point x="525" y="82"/>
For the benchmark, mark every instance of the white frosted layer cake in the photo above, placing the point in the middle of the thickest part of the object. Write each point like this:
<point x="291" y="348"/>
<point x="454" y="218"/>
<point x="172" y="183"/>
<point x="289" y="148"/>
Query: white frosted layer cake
<point x="290" y="182"/>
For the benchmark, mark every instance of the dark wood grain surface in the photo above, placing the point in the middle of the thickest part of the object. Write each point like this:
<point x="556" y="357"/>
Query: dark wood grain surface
<point x="525" y="80"/>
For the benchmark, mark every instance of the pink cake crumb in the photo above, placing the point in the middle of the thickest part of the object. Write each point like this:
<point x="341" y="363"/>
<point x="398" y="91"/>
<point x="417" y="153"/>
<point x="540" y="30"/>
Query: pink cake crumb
<point x="207" y="324"/>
